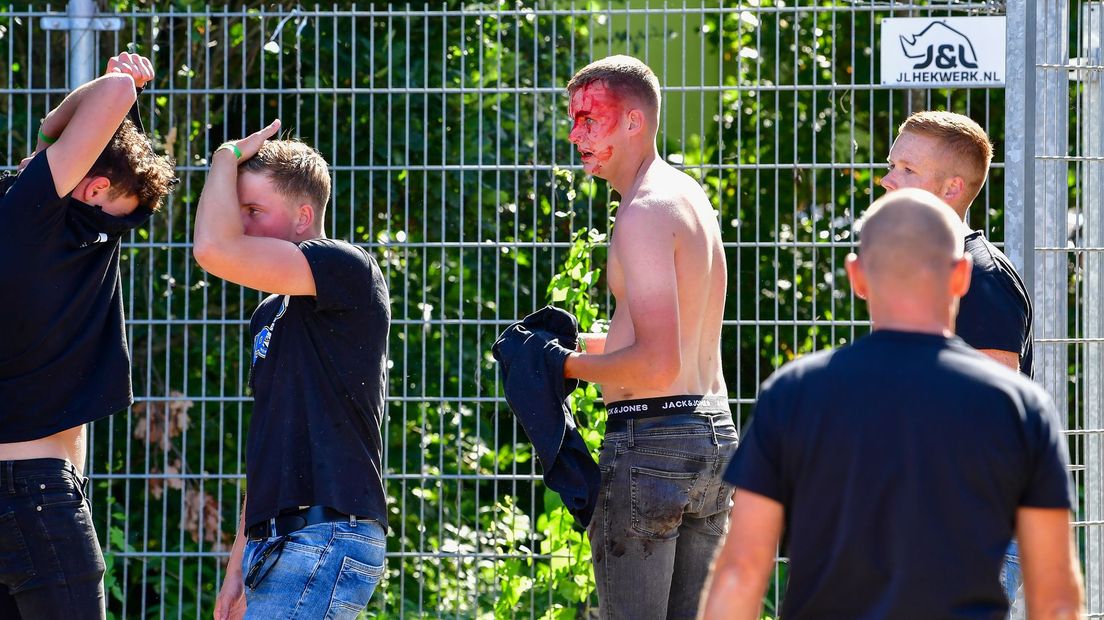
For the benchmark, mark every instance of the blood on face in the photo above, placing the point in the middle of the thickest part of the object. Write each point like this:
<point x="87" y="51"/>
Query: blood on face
<point x="595" y="113"/>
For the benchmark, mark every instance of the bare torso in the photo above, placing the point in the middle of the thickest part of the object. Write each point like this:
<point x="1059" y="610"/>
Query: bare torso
<point x="68" y="444"/>
<point x="701" y="280"/>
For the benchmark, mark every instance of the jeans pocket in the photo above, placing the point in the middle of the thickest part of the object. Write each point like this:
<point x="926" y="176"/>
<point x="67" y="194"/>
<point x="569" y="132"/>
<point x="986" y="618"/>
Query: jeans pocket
<point x="61" y="491"/>
<point x="659" y="499"/>
<point x="355" y="584"/>
<point x="16" y="565"/>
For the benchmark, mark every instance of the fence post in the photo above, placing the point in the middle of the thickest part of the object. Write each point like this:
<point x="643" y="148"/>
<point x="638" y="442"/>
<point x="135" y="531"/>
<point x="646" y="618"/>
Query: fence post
<point x="1019" y="144"/>
<point x="82" y="42"/>
<point x="1092" y="228"/>
<point x="81" y="23"/>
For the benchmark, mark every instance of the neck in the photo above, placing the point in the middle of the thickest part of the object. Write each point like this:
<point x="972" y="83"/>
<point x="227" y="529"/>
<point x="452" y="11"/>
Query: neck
<point x="924" y="318"/>
<point x="627" y="180"/>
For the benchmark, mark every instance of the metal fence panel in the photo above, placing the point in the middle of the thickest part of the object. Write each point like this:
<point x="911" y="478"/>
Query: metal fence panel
<point x="445" y="128"/>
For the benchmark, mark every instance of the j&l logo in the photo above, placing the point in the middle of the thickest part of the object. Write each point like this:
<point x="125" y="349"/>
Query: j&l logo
<point x="942" y="45"/>
<point x="943" y="51"/>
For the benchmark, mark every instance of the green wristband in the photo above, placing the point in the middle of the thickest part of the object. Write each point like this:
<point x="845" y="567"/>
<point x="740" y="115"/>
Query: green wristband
<point x="45" y="138"/>
<point x="230" y="146"/>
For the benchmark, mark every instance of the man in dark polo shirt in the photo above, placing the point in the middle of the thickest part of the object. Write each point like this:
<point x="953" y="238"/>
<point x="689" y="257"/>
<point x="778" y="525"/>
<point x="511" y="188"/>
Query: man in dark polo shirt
<point x="311" y="537"/>
<point x="898" y="468"/>
<point x="948" y="155"/>
<point x="64" y="360"/>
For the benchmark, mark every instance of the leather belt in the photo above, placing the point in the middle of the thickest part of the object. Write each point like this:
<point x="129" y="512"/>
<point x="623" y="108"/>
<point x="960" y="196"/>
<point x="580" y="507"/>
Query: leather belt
<point x="284" y="524"/>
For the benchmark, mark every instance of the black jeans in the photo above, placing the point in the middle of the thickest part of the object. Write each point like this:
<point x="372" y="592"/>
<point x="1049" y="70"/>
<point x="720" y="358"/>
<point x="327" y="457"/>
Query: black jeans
<point x="50" y="561"/>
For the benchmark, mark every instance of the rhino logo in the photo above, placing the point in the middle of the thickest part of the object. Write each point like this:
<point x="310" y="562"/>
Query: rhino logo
<point x="941" y="44"/>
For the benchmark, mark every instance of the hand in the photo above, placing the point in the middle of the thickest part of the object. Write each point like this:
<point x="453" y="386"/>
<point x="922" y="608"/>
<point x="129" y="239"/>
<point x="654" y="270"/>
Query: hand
<point x="26" y="160"/>
<point x="230" y="604"/>
<point x="137" y="67"/>
<point x="252" y="143"/>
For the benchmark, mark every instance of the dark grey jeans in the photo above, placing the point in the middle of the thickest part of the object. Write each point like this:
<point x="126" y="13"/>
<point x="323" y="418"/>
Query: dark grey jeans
<point x="50" y="561"/>
<point x="662" y="514"/>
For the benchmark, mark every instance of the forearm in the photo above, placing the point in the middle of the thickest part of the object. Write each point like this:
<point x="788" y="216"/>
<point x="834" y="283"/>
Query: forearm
<point x="218" y="221"/>
<point x="58" y="119"/>
<point x="732" y="594"/>
<point x="594" y="344"/>
<point x="634" y="366"/>
<point x="234" y="564"/>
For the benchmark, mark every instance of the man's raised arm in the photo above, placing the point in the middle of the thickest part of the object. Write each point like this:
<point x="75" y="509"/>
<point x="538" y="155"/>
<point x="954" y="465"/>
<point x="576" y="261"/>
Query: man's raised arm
<point x="274" y="265"/>
<point x="81" y="126"/>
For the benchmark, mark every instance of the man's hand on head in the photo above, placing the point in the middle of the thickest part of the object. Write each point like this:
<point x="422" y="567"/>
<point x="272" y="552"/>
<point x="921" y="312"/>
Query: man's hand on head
<point x="251" y="144"/>
<point x="138" y="67"/>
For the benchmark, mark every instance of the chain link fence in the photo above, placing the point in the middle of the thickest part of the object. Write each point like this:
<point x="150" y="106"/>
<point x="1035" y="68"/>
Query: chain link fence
<point x="445" y="127"/>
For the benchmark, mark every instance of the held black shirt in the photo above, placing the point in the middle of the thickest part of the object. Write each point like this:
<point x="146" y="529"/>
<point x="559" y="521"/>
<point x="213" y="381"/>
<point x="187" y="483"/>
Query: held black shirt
<point x="996" y="312"/>
<point x="64" y="358"/>
<point x="900" y="462"/>
<point x="318" y="378"/>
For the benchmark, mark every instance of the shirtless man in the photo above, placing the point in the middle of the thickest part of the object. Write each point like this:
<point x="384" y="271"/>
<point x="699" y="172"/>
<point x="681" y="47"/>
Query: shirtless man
<point x="662" y="508"/>
<point x="63" y="363"/>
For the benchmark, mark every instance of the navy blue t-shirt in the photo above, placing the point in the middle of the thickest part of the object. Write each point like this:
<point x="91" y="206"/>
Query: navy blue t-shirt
<point x="63" y="358"/>
<point x="318" y="378"/>
<point x="900" y="462"/>
<point x="996" y="312"/>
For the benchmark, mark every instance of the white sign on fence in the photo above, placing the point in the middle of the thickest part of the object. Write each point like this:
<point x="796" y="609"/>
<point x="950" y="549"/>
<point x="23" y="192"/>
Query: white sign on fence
<point x="927" y="52"/>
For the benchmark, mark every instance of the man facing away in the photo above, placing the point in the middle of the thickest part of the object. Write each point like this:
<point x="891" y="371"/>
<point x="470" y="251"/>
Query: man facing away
<point x="891" y="501"/>
<point x="311" y="538"/>
<point x="662" y="507"/>
<point x="948" y="155"/>
<point x="64" y="360"/>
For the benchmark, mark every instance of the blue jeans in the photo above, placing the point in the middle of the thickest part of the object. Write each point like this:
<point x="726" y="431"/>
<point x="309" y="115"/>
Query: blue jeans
<point x="1011" y="576"/>
<point x="662" y="514"/>
<point x="328" y="570"/>
<point x="50" y="561"/>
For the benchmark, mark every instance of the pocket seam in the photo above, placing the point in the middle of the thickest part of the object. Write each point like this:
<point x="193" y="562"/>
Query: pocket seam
<point x="635" y="521"/>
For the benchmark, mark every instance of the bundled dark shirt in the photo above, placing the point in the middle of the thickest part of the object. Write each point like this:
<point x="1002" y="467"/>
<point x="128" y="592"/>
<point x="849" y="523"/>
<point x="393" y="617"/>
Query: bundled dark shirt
<point x="531" y="355"/>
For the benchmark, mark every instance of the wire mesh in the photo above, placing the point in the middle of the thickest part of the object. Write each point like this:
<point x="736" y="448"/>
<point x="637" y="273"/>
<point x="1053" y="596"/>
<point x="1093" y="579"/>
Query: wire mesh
<point x="445" y="127"/>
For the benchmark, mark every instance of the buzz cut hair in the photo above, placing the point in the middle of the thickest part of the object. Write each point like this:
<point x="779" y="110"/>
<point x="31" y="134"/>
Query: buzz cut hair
<point x="625" y="75"/>
<point x="296" y="170"/>
<point x="966" y="145"/>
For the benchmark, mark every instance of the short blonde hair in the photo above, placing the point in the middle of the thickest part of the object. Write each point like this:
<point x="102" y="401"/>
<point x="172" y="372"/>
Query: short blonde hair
<point x="964" y="141"/>
<point x="296" y="170"/>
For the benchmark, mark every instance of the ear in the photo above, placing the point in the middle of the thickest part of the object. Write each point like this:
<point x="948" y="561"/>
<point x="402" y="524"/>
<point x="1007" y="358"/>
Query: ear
<point x="636" y="121"/>
<point x="91" y="188"/>
<point x="952" y="190"/>
<point x="304" y="218"/>
<point x="857" y="276"/>
<point x="960" y="275"/>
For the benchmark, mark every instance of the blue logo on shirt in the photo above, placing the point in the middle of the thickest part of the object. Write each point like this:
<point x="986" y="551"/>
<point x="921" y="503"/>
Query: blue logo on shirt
<point x="263" y="338"/>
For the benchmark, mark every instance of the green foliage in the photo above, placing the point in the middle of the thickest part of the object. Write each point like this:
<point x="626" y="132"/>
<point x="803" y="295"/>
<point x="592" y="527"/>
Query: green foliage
<point x="447" y="136"/>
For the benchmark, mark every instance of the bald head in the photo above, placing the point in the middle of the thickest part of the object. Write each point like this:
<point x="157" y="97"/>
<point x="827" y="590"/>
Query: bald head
<point x="909" y="234"/>
<point x="911" y="269"/>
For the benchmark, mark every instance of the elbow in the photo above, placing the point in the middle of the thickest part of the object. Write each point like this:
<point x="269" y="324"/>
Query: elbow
<point x="120" y="87"/>
<point x="663" y="370"/>
<point x="206" y="254"/>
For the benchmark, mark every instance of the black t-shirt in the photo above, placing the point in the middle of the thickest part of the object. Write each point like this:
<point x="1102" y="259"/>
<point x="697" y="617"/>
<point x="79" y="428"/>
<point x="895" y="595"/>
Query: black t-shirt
<point x="319" y="370"/>
<point x="996" y="312"/>
<point x="64" y="358"/>
<point x="900" y="461"/>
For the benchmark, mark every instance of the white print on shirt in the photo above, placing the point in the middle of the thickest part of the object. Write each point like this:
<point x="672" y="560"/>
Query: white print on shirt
<point x="264" y="337"/>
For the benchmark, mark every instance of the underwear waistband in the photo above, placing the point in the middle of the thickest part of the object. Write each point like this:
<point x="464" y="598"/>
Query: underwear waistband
<point x="666" y="405"/>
